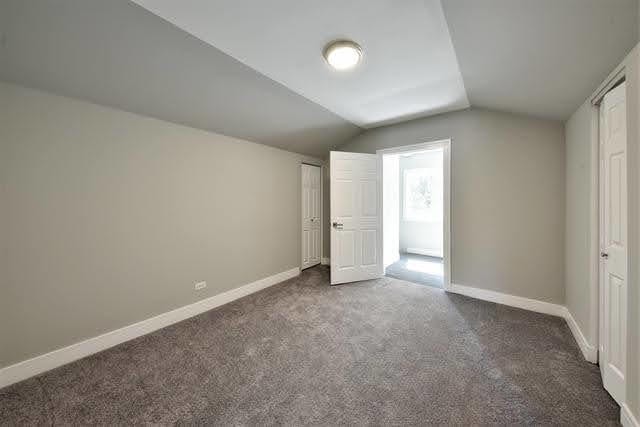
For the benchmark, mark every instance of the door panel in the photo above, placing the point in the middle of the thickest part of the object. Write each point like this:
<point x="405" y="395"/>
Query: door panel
<point x="346" y="250"/>
<point x="355" y="216"/>
<point x="343" y="190"/>
<point x="369" y="239"/>
<point x="369" y="198"/>
<point x="311" y="207"/>
<point x="613" y="242"/>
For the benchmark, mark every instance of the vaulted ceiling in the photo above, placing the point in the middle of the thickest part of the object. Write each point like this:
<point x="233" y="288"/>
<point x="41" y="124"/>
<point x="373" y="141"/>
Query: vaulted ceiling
<point x="539" y="57"/>
<point x="409" y="68"/>
<point x="254" y="69"/>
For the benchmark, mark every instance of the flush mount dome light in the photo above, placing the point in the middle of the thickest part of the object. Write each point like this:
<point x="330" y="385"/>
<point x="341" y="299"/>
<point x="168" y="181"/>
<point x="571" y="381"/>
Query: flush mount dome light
<point x="343" y="54"/>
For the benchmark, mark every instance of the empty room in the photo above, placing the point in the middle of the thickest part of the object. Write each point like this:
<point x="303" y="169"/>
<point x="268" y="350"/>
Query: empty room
<point x="367" y="212"/>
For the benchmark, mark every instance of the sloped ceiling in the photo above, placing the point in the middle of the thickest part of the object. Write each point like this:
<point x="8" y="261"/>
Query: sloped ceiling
<point x="254" y="70"/>
<point x="534" y="57"/>
<point x="409" y="67"/>
<point x="114" y="53"/>
<point x="539" y="57"/>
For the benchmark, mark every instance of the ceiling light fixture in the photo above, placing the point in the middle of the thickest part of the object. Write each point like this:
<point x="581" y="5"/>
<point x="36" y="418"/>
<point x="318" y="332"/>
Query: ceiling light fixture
<point x="342" y="54"/>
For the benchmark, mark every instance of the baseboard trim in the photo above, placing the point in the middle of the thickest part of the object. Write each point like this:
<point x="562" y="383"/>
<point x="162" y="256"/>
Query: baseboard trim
<point x="325" y="261"/>
<point x="627" y="419"/>
<point x="589" y="351"/>
<point x="426" y="252"/>
<point x="39" y="364"/>
<point x="510" y="300"/>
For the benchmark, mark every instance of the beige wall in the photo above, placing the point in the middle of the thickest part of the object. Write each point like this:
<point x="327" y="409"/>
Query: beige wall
<point x="507" y="197"/>
<point x="579" y="234"/>
<point x="109" y="218"/>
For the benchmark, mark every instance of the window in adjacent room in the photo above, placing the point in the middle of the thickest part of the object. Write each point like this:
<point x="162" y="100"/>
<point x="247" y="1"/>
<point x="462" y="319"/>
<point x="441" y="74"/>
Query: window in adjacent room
<point x="422" y="194"/>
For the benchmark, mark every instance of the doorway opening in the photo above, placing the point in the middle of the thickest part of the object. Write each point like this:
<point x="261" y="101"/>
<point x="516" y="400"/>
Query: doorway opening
<point x="415" y="212"/>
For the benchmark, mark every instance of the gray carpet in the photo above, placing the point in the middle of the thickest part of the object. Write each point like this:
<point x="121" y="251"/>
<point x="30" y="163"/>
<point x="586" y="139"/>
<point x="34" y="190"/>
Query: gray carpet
<point x="416" y="269"/>
<point x="376" y="352"/>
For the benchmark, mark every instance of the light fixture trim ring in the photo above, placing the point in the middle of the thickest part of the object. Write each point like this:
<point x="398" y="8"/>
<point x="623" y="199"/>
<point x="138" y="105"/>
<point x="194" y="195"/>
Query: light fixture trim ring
<point x="340" y="44"/>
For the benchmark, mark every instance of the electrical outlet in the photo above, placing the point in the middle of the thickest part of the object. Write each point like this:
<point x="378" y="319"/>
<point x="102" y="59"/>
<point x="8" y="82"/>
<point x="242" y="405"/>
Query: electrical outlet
<point x="200" y="285"/>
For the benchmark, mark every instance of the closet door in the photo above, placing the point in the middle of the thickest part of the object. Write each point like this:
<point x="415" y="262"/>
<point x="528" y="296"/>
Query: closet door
<point x="311" y="208"/>
<point x="613" y="243"/>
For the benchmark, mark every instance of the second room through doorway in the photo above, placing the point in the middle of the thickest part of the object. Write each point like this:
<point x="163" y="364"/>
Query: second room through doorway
<point x="413" y="215"/>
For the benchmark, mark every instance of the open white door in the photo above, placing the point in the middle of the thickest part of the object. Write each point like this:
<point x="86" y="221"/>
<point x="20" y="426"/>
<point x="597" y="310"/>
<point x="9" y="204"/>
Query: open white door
<point x="356" y="220"/>
<point x="613" y="242"/>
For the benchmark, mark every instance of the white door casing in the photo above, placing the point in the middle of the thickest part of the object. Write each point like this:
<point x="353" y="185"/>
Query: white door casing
<point x="311" y="218"/>
<point x="356" y="220"/>
<point x="390" y="211"/>
<point x="613" y="242"/>
<point x="445" y="144"/>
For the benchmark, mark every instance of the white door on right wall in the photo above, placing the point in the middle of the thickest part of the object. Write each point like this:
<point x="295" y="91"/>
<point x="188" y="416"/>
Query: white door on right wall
<point x="613" y="242"/>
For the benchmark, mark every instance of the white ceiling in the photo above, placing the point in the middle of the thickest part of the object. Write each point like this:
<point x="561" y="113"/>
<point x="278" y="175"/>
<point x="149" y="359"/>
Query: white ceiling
<point x="409" y="67"/>
<point x="539" y="57"/>
<point x="118" y="54"/>
<point x="254" y="70"/>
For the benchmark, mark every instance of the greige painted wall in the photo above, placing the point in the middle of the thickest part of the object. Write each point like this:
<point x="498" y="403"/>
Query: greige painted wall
<point x="151" y="67"/>
<point x="109" y="218"/>
<point x="508" y="197"/>
<point x="578" y="231"/>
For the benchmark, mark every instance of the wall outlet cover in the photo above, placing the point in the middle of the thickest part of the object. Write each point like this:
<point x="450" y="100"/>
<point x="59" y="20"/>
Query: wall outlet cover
<point x="200" y="285"/>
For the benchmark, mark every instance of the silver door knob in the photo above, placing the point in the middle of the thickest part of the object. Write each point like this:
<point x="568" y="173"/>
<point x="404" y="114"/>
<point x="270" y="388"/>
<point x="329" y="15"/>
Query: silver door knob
<point x="604" y="255"/>
<point x="337" y="225"/>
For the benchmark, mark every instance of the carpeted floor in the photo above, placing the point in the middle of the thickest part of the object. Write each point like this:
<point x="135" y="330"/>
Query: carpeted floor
<point x="424" y="270"/>
<point x="302" y="352"/>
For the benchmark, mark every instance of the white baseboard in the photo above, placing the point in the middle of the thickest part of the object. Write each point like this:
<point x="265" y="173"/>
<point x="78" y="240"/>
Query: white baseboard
<point x="427" y="252"/>
<point x="589" y="351"/>
<point x="39" y="364"/>
<point x="627" y="419"/>
<point x="325" y="261"/>
<point x="511" y="300"/>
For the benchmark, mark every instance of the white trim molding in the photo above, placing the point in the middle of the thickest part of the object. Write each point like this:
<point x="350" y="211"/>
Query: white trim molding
<point x="325" y="261"/>
<point x="589" y="351"/>
<point x="510" y="300"/>
<point x="627" y="419"/>
<point x="437" y="253"/>
<point x="39" y="364"/>
<point x="446" y="242"/>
